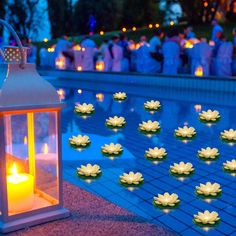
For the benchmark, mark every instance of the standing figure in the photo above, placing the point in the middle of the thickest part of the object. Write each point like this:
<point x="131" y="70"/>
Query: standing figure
<point x="88" y="51"/>
<point x="92" y="24"/>
<point x="216" y="30"/>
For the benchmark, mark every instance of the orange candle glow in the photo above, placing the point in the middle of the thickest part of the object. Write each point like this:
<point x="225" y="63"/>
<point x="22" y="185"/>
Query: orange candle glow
<point x="199" y="71"/>
<point x="100" y="65"/>
<point x="20" y="191"/>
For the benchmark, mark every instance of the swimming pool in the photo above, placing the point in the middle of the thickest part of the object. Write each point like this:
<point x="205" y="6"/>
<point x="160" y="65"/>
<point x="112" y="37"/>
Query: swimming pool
<point x="178" y="108"/>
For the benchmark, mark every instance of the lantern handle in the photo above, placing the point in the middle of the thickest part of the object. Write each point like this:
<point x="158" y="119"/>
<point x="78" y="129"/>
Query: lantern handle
<point x="16" y="37"/>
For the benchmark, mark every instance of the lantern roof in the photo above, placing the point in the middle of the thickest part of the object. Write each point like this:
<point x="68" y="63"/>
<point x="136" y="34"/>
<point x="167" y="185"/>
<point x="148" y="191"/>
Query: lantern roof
<point x="25" y="87"/>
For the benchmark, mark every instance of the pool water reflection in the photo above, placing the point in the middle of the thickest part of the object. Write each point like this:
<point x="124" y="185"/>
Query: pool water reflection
<point x="157" y="179"/>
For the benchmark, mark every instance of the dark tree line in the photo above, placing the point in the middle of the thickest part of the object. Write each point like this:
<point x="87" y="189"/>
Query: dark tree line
<point x="109" y="15"/>
<point x="67" y="17"/>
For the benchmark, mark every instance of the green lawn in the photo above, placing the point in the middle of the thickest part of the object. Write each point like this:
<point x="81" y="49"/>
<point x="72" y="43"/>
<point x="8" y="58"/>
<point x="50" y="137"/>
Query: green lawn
<point x="200" y="30"/>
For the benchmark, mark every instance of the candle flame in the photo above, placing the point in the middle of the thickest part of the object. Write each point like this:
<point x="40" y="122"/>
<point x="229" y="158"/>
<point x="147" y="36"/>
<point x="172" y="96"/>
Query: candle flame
<point x="14" y="170"/>
<point x="25" y="140"/>
<point x="79" y="68"/>
<point x="45" y="148"/>
<point x="199" y="71"/>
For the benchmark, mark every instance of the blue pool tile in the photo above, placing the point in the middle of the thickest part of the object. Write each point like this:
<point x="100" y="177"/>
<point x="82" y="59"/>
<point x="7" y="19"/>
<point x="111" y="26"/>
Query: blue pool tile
<point x="182" y="216"/>
<point x="206" y="231"/>
<point x="138" y="211"/>
<point x="119" y="201"/>
<point x="225" y="228"/>
<point x="113" y="186"/>
<point x="161" y="185"/>
<point x="173" y="223"/>
<point x="231" y="210"/>
<point x="218" y="203"/>
<point x="189" y="209"/>
<point x="190" y="232"/>
<point x="142" y="194"/>
<point x="202" y="205"/>
<point x="148" y="207"/>
<point x="230" y="219"/>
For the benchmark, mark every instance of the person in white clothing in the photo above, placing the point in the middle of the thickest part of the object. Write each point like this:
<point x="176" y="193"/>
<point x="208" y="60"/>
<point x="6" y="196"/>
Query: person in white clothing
<point x="116" y="54"/>
<point x="62" y="45"/>
<point x="88" y="42"/>
<point x="88" y="49"/>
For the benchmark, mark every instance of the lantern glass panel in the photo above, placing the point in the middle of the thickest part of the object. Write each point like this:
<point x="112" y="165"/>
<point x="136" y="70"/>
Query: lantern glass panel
<point x="31" y="161"/>
<point x="46" y="156"/>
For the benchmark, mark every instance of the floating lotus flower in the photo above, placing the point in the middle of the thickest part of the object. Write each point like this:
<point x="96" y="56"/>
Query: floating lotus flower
<point x="156" y="153"/>
<point x="230" y="166"/>
<point x="131" y="178"/>
<point x="116" y="122"/>
<point x="228" y="135"/>
<point x="209" y="116"/>
<point x="185" y="132"/>
<point x="208" y="153"/>
<point x="206" y="218"/>
<point x="121" y="96"/>
<point x="79" y="141"/>
<point x="208" y="189"/>
<point x="182" y="168"/>
<point x="112" y="149"/>
<point x="152" y="105"/>
<point x="149" y="127"/>
<point x="89" y="170"/>
<point x="166" y="200"/>
<point x="84" y="109"/>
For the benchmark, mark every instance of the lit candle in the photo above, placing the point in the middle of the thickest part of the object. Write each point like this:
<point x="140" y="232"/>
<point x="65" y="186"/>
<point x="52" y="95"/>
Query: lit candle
<point x="20" y="191"/>
<point x="199" y="71"/>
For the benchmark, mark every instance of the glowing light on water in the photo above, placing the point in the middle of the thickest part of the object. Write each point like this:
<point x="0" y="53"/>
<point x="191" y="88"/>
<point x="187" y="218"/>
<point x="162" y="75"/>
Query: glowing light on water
<point x="100" y="97"/>
<point x="198" y="108"/>
<point x="208" y="200"/>
<point x="166" y="211"/>
<point x="131" y="189"/>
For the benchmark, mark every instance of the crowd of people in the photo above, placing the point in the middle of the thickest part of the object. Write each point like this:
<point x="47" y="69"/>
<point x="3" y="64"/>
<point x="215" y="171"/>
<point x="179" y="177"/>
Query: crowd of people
<point x="172" y="52"/>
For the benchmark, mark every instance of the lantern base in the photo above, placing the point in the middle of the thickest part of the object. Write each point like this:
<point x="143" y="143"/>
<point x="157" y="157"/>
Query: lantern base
<point x="33" y="220"/>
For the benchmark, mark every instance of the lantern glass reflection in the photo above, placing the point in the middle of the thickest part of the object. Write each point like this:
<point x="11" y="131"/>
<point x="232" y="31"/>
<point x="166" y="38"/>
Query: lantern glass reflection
<point x="32" y="166"/>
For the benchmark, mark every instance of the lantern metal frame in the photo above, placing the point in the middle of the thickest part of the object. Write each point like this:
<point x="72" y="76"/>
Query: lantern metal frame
<point x="9" y="223"/>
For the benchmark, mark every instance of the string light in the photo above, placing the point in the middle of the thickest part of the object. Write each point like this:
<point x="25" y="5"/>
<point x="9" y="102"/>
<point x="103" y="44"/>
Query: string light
<point x="101" y="32"/>
<point x="124" y="29"/>
<point x="134" y="28"/>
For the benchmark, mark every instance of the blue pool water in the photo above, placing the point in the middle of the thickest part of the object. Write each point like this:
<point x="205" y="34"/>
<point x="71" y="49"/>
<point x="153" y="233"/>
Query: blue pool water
<point x="176" y="111"/>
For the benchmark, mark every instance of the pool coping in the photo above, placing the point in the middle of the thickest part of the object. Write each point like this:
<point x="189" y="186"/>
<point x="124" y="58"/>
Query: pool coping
<point x="215" y="84"/>
<point x="93" y="215"/>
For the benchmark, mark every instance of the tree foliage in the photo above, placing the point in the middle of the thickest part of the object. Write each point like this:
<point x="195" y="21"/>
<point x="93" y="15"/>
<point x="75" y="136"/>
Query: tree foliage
<point x="60" y="15"/>
<point x="106" y="13"/>
<point x="200" y="11"/>
<point x="24" y="16"/>
<point x="2" y="12"/>
<point x="139" y="12"/>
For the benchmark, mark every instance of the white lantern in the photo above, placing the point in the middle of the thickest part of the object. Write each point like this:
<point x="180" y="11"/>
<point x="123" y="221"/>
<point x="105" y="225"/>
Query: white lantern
<point x="30" y="146"/>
